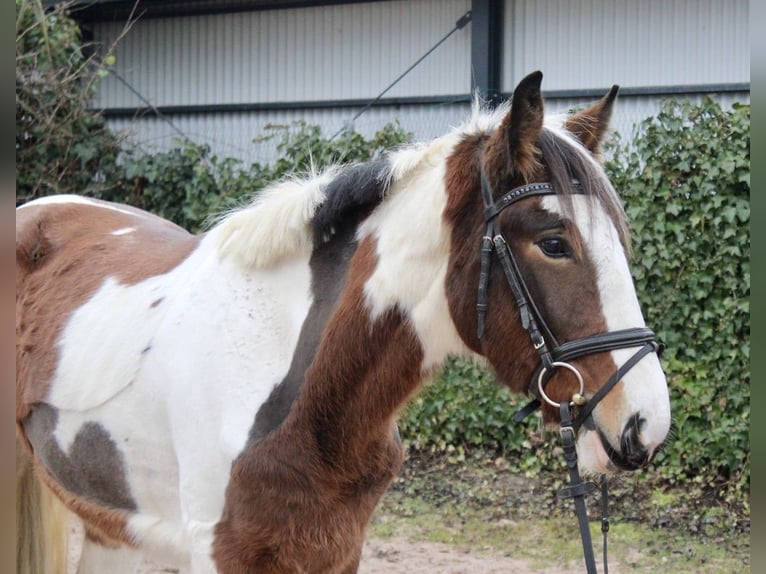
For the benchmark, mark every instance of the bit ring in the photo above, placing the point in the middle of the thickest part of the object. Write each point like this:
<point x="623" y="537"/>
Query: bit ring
<point x="577" y="398"/>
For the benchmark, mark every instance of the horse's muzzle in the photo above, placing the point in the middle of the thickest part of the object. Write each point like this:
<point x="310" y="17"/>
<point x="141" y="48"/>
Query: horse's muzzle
<point x="633" y="454"/>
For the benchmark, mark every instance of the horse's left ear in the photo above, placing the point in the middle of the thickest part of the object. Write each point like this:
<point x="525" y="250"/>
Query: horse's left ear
<point x="590" y="125"/>
<point x="512" y="148"/>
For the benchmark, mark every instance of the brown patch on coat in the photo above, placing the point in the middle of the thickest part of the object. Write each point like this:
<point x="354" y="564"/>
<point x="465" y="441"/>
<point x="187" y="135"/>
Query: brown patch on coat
<point x="299" y="500"/>
<point x="64" y="252"/>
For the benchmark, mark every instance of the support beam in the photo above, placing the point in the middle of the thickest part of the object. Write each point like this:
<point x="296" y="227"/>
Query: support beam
<point x="486" y="47"/>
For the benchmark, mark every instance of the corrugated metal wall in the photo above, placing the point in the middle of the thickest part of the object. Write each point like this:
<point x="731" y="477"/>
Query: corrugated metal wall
<point x="239" y="134"/>
<point x="353" y="51"/>
<point x="235" y="134"/>
<point x="597" y="43"/>
<point x="632" y="109"/>
<point x="322" y="53"/>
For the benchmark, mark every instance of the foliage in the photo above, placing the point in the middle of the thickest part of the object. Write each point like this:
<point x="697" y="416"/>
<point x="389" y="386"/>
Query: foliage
<point x="304" y="149"/>
<point x="685" y="180"/>
<point x="462" y="411"/>
<point x="60" y="145"/>
<point x="188" y="184"/>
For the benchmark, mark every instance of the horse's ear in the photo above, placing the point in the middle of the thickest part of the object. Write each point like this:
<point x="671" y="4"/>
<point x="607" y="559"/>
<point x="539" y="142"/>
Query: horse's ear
<point x="590" y="125"/>
<point x="512" y="148"/>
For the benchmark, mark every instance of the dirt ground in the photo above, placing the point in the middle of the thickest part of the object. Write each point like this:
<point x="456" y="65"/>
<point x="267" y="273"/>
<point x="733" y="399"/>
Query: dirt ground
<point x="399" y="556"/>
<point x="393" y="556"/>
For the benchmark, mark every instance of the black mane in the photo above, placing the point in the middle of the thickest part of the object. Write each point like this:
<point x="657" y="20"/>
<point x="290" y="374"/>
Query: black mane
<point x="350" y="197"/>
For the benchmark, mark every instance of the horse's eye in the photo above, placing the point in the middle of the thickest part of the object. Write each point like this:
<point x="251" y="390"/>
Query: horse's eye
<point x="555" y="247"/>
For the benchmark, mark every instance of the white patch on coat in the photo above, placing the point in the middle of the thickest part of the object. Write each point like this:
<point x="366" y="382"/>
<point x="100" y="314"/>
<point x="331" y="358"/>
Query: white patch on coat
<point x="95" y="558"/>
<point x="644" y="389"/>
<point x="413" y="243"/>
<point x="108" y="333"/>
<point x="220" y="339"/>
<point x="413" y="251"/>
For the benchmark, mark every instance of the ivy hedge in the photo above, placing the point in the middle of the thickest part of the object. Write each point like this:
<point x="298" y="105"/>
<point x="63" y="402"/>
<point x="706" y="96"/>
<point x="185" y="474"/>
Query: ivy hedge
<point x="685" y="180"/>
<point x="189" y="185"/>
<point x="684" y="176"/>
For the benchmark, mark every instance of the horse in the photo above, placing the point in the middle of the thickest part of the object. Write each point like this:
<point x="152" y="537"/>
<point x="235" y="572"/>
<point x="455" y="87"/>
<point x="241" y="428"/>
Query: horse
<point x="227" y="402"/>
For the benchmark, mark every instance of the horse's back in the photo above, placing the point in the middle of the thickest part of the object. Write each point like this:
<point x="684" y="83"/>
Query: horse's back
<point x="98" y="237"/>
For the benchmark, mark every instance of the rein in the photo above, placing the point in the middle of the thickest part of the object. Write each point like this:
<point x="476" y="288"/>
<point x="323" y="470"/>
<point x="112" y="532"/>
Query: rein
<point x="554" y="355"/>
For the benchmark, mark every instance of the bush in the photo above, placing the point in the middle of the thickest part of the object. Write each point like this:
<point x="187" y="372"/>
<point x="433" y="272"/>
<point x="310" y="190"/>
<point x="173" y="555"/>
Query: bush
<point x="462" y="411"/>
<point x="685" y="179"/>
<point x="188" y="184"/>
<point x="61" y="146"/>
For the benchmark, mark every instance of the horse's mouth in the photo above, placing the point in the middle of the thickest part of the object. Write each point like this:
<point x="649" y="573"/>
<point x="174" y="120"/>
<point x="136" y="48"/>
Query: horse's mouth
<point x="615" y="457"/>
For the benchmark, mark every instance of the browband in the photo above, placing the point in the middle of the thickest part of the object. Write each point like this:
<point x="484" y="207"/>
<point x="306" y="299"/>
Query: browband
<point x="523" y="191"/>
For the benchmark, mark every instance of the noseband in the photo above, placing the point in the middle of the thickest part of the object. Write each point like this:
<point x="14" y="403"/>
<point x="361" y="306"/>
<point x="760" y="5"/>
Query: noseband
<point x="554" y="355"/>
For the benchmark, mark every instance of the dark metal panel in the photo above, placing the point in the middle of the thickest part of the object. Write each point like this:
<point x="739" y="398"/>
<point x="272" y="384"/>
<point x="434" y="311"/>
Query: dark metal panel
<point x="277" y="106"/>
<point x="656" y="91"/>
<point x="87" y="11"/>
<point x="486" y="47"/>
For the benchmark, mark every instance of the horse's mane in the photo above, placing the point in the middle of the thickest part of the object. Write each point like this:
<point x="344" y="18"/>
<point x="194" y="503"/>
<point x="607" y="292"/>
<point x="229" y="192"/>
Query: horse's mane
<point x="291" y="216"/>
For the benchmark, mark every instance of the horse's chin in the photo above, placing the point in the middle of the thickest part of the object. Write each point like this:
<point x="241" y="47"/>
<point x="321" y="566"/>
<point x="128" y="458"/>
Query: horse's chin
<point x="591" y="454"/>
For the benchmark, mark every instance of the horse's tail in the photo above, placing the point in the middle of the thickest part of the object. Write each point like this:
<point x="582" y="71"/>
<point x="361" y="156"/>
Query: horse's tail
<point x="42" y="528"/>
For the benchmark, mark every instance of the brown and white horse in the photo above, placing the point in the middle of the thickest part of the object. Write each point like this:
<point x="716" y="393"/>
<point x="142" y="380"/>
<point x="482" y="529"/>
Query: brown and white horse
<point x="227" y="402"/>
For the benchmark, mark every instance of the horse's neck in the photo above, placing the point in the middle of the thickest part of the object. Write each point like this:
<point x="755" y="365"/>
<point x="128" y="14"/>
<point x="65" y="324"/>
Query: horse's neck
<point x="329" y="266"/>
<point x="363" y="371"/>
<point x="389" y="325"/>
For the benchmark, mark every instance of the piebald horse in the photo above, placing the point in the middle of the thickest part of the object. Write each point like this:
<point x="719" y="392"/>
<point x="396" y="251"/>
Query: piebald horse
<point x="227" y="402"/>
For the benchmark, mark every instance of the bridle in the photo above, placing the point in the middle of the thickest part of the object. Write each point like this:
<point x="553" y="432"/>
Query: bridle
<point x="554" y="355"/>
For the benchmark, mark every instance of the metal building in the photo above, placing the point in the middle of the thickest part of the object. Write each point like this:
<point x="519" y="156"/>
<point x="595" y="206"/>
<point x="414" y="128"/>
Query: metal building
<point x="221" y="71"/>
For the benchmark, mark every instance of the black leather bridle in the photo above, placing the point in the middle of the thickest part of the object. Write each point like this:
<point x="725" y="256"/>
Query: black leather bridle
<point x="553" y="354"/>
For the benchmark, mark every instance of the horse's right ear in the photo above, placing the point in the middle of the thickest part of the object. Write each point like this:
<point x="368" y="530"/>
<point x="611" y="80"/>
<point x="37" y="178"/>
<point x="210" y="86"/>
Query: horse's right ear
<point x="590" y="125"/>
<point x="512" y="149"/>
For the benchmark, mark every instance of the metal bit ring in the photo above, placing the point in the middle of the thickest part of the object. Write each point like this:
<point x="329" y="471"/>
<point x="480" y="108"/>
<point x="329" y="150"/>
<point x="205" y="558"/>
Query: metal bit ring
<point x="577" y="398"/>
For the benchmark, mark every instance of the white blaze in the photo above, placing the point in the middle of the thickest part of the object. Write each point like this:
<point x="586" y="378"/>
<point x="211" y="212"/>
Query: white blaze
<point x="644" y="389"/>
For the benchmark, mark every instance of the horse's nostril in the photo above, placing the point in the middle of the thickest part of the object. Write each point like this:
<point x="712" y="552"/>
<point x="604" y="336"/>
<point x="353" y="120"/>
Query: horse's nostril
<point x="633" y="450"/>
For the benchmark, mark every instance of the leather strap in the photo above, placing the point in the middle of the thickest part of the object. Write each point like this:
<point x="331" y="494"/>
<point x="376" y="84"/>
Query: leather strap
<point x="602" y="342"/>
<point x="605" y="519"/>
<point x="576" y="489"/>
<point x="616" y="377"/>
<point x="517" y="193"/>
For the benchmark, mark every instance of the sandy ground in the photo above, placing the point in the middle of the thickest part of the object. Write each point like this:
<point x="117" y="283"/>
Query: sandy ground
<point x="393" y="556"/>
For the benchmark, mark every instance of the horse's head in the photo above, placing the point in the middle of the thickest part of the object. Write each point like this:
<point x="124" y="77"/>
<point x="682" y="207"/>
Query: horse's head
<point x="538" y="228"/>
